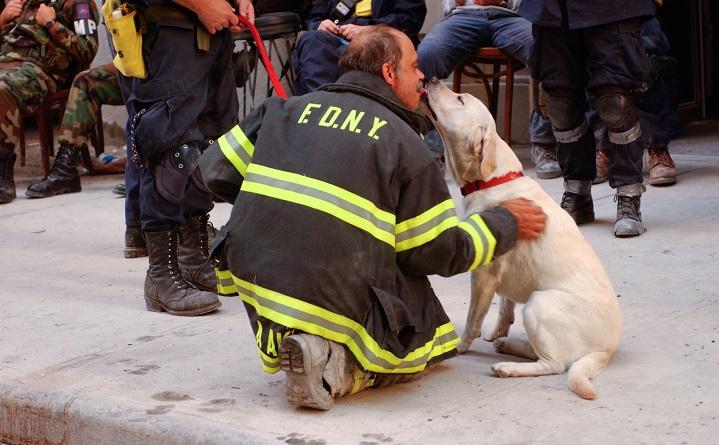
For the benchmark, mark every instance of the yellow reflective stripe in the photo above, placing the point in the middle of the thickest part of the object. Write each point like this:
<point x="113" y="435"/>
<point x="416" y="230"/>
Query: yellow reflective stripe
<point x="295" y="313"/>
<point x="322" y="196"/>
<point x="425" y="227"/>
<point x="339" y="192"/>
<point x="231" y="156"/>
<point x="482" y="238"/>
<point x="269" y="364"/>
<point x="242" y="139"/>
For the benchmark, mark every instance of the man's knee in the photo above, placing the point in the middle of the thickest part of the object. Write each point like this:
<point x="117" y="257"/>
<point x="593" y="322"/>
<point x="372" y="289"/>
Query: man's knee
<point x="614" y="106"/>
<point x="564" y="109"/>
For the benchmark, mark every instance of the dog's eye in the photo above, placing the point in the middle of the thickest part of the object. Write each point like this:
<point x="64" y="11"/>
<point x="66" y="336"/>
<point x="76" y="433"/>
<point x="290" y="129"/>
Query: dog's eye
<point x="459" y="98"/>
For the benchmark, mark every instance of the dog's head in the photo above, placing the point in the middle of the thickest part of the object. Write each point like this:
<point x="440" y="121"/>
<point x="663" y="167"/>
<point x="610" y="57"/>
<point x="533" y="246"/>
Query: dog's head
<point x="473" y="150"/>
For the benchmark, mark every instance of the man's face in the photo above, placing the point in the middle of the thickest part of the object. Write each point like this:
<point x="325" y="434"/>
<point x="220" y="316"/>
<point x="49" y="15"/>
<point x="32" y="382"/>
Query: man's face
<point x="407" y="80"/>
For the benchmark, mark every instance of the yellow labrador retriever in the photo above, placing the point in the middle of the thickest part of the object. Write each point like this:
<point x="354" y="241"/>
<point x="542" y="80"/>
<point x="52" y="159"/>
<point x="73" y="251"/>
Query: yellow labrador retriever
<point x="571" y="313"/>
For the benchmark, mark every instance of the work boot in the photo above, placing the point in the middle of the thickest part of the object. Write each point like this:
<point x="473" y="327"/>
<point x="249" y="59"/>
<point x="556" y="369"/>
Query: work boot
<point x="165" y="289"/>
<point x="629" y="217"/>
<point x="602" y="157"/>
<point x="545" y="161"/>
<point x="63" y="176"/>
<point x="662" y="170"/>
<point x="317" y="371"/>
<point x="194" y="255"/>
<point x="135" y="245"/>
<point x="7" y="180"/>
<point x="577" y="201"/>
<point x="119" y="189"/>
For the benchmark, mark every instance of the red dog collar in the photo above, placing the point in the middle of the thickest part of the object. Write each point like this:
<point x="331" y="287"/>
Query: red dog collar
<point x="481" y="185"/>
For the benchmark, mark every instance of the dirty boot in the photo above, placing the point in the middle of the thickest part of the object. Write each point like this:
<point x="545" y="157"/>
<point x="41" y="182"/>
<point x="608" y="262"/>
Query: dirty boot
<point x="544" y="157"/>
<point x="119" y="189"/>
<point x="303" y="358"/>
<point x="577" y="201"/>
<point x="662" y="170"/>
<point x="135" y="246"/>
<point x="63" y="176"/>
<point x="7" y="179"/>
<point x="629" y="217"/>
<point x="165" y="289"/>
<point x="194" y="255"/>
<point x="602" y="157"/>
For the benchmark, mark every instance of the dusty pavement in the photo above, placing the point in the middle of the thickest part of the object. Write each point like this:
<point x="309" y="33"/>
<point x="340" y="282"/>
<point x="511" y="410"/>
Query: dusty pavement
<point x="83" y="362"/>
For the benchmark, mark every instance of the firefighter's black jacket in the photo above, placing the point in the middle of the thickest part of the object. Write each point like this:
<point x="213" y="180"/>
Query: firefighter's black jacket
<point x="339" y="215"/>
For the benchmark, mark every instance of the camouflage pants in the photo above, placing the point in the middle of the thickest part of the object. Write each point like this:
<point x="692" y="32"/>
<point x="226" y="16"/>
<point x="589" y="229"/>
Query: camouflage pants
<point x="90" y="90"/>
<point x="23" y="86"/>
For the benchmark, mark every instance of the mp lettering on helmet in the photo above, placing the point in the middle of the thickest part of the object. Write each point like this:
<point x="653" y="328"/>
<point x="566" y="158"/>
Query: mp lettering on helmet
<point x="84" y="24"/>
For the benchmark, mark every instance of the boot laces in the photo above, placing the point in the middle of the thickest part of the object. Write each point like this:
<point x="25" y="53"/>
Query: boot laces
<point x="627" y="207"/>
<point x="172" y="266"/>
<point x="660" y="156"/>
<point x="205" y="227"/>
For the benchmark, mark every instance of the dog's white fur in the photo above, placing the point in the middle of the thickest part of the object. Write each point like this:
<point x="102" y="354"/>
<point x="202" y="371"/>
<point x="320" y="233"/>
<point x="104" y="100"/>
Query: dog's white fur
<point x="571" y="313"/>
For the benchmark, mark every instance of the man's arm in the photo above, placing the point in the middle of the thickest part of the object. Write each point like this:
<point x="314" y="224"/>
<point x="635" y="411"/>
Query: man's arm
<point x="12" y="9"/>
<point x="81" y="43"/>
<point x="431" y="239"/>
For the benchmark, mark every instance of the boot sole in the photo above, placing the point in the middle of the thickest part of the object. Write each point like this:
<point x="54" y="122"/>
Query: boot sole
<point x="32" y="194"/>
<point x="157" y="306"/>
<point x="298" y="381"/>
<point x="135" y="252"/>
<point x="550" y="175"/>
<point x="662" y="181"/>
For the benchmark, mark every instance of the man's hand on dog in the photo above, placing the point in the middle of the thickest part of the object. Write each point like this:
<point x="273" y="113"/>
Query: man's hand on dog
<point x="530" y="218"/>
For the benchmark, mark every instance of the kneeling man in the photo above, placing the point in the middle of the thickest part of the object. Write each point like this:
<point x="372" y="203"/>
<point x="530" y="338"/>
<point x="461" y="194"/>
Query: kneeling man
<point x="340" y="214"/>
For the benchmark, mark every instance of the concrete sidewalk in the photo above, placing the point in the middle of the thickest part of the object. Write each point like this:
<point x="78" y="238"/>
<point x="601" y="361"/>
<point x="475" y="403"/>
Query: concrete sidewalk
<point x="83" y="362"/>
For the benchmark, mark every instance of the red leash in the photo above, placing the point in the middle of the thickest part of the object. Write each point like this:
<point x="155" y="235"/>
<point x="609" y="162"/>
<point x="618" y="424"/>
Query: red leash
<point x="265" y="59"/>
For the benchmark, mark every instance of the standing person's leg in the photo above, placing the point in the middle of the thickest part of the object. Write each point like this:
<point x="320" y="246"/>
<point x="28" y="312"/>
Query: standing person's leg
<point x="617" y="49"/>
<point x="657" y="105"/>
<point x="23" y="86"/>
<point x="514" y="35"/>
<point x="90" y="90"/>
<point x="315" y="59"/>
<point x="557" y="61"/>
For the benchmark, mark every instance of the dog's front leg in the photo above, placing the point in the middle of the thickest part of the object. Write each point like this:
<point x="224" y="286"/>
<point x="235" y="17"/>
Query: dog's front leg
<point x="504" y="321"/>
<point x="484" y="284"/>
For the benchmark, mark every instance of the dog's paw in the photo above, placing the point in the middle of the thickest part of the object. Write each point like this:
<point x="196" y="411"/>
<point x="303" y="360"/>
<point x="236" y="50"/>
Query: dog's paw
<point x="501" y="370"/>
<point x="498" y="333"/>
<point x="463" y="346"/>
<point x="500" y="345"/>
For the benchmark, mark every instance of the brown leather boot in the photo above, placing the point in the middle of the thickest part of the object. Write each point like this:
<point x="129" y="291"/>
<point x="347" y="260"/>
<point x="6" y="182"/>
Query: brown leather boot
<point x="135" y="245"/>
<point x="165" y="289"/>
<point x="602" y="166"/>
<point x="662" y="170"/>
<point x="194" y="255"/>
<point x="7" y="178"/>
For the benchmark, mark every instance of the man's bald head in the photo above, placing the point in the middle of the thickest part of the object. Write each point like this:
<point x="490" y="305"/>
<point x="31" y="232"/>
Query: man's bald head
<point x="370" y="49"/>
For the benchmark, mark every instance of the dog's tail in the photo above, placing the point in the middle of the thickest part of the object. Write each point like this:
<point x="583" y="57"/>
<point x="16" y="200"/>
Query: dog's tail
<point x="585" y="368"/>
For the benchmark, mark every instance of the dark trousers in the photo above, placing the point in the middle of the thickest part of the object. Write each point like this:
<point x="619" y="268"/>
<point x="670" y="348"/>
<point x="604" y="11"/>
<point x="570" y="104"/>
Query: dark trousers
<point x="314" y="60"/>
<point x="586" y="60"/>
<point x="188" y="97"/>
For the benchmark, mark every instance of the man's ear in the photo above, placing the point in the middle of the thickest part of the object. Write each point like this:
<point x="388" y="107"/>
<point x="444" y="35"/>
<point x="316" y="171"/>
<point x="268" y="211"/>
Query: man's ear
<point x="484" y="149"/>
<point x="388" y="74"/>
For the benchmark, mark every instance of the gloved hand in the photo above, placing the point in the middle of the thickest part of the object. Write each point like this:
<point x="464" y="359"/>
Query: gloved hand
<point x="530" y="218"/>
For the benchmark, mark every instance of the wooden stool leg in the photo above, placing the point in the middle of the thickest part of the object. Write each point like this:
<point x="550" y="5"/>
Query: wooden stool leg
<point x="22" y="143"/>
<point x="41" y="118"/>
<point x="99" y="133"/>
<point x="508" y="96"/>
<point x="494" y="105"/>
<point x="457" y="79"/>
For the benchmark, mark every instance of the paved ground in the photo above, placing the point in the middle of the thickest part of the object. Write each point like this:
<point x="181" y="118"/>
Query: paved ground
<point x="82" y="362"/>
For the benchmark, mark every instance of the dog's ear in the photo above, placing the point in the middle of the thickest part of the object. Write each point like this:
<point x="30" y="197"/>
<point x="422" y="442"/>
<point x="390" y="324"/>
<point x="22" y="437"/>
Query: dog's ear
<point x="484" y="149"/>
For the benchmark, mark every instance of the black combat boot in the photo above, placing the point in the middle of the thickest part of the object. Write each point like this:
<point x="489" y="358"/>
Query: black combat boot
<point x="194" y="255"/>
<point x="135" y="246"/>
<point x="63" y="176"/>
<point x="7" y="180"/>
<point x="629" y="217"/>
<point x="577" y="201"/>
<point x="165" y="289"/>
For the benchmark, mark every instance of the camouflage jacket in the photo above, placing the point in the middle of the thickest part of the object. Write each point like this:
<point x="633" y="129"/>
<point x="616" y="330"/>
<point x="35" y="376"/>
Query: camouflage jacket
<point x="62" y="51"/>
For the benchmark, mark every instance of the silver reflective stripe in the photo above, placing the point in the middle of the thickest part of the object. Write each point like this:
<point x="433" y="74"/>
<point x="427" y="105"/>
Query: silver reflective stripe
<point x="324" y="196"/>
<point x="625" y="137"/>
<point x="238" y="148"/>
<point x="334" y="327"/>
<point x="422" y="228"/>
<point x="572" y="135"/>
<point x="482" y="236"/>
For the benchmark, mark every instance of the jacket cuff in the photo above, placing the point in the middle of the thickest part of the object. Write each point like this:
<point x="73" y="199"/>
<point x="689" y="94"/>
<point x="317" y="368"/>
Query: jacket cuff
<point x="503" y="226"/>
